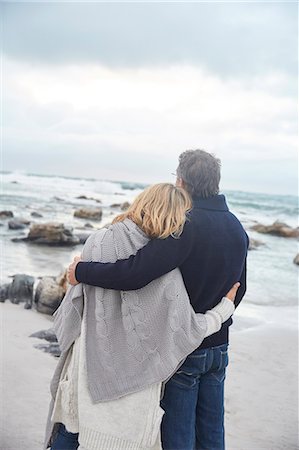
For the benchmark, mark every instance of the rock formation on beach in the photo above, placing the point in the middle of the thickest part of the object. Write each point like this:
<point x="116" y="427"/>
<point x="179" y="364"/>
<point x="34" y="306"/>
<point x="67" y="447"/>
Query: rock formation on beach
<point x="6" y="214"/>
<point x="47" y="297"/>
<point x="51" y="344"/>
<point x="19" y="290"/>
<point x="89" y="213"/>
<point x="123" y="206"/>
<point x="51" y="233"/>
<point x="36" y="214"/>
<point x="83" y="197"/>
<point x="277" y="229"/>
<point x="49" y="293"/>
<point x="18" y="224"/>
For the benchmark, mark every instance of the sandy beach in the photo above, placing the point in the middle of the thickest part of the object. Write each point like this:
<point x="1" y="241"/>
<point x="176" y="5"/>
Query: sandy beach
<point x="261" y="386"/>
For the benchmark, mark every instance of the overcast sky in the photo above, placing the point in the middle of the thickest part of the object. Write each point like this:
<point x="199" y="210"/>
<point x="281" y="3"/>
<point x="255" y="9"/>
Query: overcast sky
<point x="119" y="90"/>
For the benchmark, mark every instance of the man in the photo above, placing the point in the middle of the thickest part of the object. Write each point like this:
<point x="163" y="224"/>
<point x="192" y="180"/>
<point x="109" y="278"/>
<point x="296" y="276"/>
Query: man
<point x="211" y="254"/>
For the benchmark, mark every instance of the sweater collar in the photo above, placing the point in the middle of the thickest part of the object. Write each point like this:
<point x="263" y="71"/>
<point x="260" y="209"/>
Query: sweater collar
<point x="215" y="203"/>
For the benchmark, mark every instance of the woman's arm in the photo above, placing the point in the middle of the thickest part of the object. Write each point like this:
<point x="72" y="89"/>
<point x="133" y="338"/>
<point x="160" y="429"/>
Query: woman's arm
<point x="216" y="316"/>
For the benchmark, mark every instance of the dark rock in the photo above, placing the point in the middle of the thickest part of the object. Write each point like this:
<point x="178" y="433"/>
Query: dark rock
<point x="83" y="237"/>
<point x="24" y="221"/>
<point x="254" y="244"/>
<point x="4" y="292"/>
<point x="125" y="206"/>
<point x="88" y="225"/>
<point x="277" y="229"/>
<point x="16" y="225"/>
<point x="6" y="214"/>
<point x="49" y="335"/>
<point x="36" y="214"/>
<point x="83" y="197"/>
<point x="19" y="239"/>
<point x="296" y="259"/>
<point x="52" y="348"/>
<point x="52" y="234"/>
<point x="89" y="213"/>
<point x="21" y="289"/>
<point x="14" y="182"/>
<point x="48" y="295"/>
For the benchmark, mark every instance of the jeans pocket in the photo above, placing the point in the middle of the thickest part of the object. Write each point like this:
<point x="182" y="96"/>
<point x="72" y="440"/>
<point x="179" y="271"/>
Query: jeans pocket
<point x="184" y="379"/>
<point x="223" y="359"/>
<point x="221" y="364"/>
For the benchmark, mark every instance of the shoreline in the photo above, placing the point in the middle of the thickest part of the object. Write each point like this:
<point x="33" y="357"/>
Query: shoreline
<point x="261" y="386"/>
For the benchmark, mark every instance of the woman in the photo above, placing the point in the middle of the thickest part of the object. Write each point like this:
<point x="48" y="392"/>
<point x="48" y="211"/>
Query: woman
<point x="118" y="347"/>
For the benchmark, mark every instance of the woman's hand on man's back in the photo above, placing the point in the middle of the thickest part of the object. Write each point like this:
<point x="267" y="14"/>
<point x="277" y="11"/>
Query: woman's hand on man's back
<point x="231" y="295"/>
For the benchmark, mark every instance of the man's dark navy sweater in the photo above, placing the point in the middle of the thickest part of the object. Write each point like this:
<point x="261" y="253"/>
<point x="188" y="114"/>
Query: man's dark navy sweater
<point x="211" y="254"/>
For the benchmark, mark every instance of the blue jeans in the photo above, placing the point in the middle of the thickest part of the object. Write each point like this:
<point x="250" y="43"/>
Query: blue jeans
<point x="194" y="402"/>
<point x="64" y="440"/>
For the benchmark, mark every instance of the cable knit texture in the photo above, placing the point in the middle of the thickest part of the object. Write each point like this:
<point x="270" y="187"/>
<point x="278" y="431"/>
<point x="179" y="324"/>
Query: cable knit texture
<point x="134" y="338"/>
<point x="131" y="422"/>
<point x="141" y="336"/>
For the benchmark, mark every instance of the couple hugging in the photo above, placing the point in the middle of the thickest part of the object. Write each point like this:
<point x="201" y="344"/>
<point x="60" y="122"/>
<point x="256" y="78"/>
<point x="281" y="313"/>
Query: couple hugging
<point x="143" y="328"/>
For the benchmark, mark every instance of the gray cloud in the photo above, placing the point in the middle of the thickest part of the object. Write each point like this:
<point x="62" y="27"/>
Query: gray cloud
<point x="227" y="38"/>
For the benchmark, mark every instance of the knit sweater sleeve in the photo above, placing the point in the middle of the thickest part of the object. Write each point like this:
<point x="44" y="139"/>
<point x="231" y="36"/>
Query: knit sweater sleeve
<point x="216" y="316"/>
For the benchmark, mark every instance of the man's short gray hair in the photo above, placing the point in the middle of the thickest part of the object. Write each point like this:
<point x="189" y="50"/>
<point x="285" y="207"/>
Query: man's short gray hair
<point x="200" y="172"/>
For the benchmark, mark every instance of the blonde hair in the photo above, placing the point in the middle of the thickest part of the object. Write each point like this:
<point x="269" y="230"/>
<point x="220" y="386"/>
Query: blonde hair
<point x="160" y="210"/>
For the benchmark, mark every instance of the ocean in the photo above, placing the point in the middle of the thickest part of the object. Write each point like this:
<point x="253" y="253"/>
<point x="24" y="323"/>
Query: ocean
<point x="272" y="275"/>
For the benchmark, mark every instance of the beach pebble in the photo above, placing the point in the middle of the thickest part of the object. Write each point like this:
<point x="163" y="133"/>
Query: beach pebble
<point x="89" y="213"/>
<point x="83" y="197"/>
<point x="36" y="214"/>
<point x="124" y="206"/>
<point x="52" y="348"/>
<point x="5" y="214"/>
<point x="296" y="259"/>
<point x="277" y="229"/>
<point x="49" y="335"/>
<point x="16" y="225"/>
